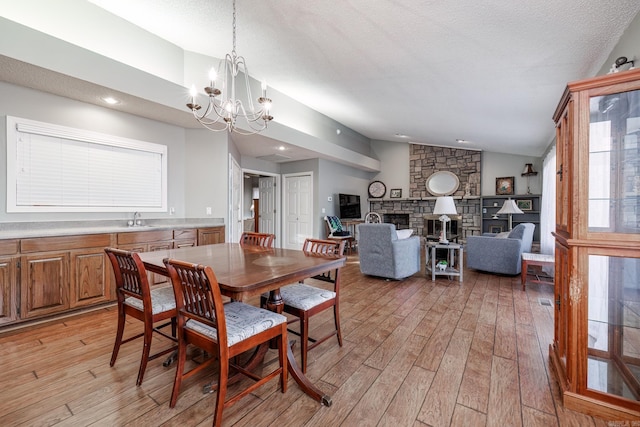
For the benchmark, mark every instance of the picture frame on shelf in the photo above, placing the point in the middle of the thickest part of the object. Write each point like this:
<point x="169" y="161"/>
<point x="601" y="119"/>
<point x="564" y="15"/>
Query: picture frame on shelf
<point x="395" y="193"/>
<point x="495" y="229"/>
<point x="525" y="204"/>
<point x="504" y="185"/>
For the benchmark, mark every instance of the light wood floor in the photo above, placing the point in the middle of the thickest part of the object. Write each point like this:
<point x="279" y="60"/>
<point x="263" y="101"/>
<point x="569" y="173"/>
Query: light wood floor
<point x="416" y="353"/>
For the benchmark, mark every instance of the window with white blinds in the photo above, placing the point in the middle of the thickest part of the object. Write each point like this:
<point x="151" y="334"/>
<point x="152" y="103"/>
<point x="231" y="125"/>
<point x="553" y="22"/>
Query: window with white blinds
<point x="52" y="168"/>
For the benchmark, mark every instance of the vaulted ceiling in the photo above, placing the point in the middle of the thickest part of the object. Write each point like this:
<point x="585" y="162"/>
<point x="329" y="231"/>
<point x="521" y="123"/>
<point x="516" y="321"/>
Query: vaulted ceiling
<point x="424" y="71"/>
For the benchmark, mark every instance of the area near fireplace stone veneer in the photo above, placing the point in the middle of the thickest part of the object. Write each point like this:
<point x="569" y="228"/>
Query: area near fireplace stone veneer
<point x="424" y="160"/>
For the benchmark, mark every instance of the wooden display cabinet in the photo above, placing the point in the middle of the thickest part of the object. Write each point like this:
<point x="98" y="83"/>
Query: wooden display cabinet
<point x="596" y="347"/>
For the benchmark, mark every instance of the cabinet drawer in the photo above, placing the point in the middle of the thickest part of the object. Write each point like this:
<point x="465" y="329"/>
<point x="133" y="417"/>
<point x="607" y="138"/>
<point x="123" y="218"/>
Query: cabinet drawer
<point x="9" y="247"/>
<point x="65" y="243"/>
<point x="144" y="236"/>
<point x="185" y="234"/>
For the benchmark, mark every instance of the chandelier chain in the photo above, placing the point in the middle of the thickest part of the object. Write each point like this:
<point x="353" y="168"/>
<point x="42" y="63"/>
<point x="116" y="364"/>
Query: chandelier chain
<point x="234" y="28"/>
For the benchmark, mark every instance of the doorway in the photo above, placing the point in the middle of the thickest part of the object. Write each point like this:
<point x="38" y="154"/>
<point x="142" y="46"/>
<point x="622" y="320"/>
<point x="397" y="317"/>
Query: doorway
<point x="260" y="200"/>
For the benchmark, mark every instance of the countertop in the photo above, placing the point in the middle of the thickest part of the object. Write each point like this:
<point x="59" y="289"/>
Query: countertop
<point x="19" y="230"/>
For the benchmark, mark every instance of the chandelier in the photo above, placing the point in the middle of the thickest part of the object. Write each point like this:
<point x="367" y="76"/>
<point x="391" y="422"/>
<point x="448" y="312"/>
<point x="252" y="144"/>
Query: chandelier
<point x="225" y="106"/>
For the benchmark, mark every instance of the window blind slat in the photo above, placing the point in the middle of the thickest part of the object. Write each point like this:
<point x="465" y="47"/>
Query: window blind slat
<point x="59" y="172"/>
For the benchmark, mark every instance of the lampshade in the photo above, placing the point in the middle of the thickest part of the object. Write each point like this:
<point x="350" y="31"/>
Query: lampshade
<point x="445" y="206"/>
<point x="510" y="207"/>
<point x="528" y="170"/>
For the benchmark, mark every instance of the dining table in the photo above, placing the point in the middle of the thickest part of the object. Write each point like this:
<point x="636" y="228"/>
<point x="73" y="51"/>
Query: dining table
<point x="245" y="271"/>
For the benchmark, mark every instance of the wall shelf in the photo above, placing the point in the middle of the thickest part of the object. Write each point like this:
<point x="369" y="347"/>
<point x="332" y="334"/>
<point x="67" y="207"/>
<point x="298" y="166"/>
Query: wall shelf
<point x="492" y="204"/>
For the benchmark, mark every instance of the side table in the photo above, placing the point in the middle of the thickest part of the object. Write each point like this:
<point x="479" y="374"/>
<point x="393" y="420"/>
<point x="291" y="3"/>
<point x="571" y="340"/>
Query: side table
<point x="454" y="260"/>
<point x="535" y="259"/>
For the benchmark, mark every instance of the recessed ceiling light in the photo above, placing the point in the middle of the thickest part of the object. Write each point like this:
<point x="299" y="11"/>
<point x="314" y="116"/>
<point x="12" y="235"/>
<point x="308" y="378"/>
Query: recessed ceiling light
<point x="282" y="148"/>
<point x="462" y="141"/>
<point x="401" y="135"/>
<point x="109" y="100"/>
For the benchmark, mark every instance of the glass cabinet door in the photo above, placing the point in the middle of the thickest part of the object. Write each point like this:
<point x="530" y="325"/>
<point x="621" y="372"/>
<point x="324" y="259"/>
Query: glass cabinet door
<point x="613" y="341"/>
<point x="614" y="163"/>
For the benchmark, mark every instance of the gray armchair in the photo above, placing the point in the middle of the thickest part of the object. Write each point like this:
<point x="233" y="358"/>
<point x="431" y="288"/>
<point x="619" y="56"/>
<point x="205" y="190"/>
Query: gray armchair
<point x="497" y="254"/>
<point x="383" y="254"/>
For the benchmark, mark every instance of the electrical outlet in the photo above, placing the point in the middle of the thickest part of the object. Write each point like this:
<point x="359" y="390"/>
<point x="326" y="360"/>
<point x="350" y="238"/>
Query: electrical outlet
<point x="172" y="210"/>
<point x="208" y="210"/>
<point x="324" y="210"/>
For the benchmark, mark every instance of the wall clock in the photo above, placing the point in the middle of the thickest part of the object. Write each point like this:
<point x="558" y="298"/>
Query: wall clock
<point x="377" y="190"/>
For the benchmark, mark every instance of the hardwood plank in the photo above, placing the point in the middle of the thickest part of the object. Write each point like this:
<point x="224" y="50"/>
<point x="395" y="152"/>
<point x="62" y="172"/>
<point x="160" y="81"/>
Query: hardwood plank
<point x="375" y="401"/>
<point x="436" y="346"/>
<point x="346" y="397"/>
<point x="406" y="403"/>
<point x="440" y="402"/>
<point x="475" y="386"/>
<point x="534" y="383"/>
<point x="504" y="397"/>
<point x="505" y="342"/>
<point x="409" y="346"/>
<point x="467" y="417"/>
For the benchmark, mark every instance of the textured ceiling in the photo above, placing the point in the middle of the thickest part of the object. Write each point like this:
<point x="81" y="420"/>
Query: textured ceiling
<point x="490" y="72"/>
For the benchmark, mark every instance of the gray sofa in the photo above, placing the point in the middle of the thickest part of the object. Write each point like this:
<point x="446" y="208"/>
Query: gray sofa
<point x="497" y="254"/>
<point x="383" y="254"/>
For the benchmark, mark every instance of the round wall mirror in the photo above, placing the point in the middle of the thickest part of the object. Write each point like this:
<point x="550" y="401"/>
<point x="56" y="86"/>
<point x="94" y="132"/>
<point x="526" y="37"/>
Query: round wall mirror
<point x="442" y="183"/>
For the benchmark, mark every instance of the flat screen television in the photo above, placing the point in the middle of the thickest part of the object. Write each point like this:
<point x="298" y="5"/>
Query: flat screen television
<point x="349" y="206"/>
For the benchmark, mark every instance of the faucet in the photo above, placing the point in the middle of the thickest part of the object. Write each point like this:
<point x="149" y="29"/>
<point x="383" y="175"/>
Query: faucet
<point x="136" y="219"/>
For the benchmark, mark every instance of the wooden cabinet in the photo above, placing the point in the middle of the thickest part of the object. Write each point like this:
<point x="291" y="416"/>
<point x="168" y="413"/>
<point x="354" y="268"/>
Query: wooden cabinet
<point x="596" y="348"/>
<point x="146" y="241"/>
<point x="492" y="222"/>
<point x="90" y="277"/>
<point x="46" y="276"/>
<point x="63" y="272"/>
<point x="184" y="238"/>
<point x="44" y="284"/>
<point x="8" y="280"/>
<point x="210" y="236"/>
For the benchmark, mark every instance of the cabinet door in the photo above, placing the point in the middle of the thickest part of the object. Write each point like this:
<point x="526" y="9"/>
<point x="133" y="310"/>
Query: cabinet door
<point x="561" y="294"/>
<point x="8" y="287"/>
<point x="210" y="236"/>
<point x="154" y="278"/>
<point x="89" y="277"/>
<point x="564" y="137"/>
<point x="44" y="284"/>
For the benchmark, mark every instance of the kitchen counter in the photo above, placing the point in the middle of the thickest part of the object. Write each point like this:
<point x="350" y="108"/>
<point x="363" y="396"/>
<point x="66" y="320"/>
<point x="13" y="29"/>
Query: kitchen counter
<point x="16" y="230"/>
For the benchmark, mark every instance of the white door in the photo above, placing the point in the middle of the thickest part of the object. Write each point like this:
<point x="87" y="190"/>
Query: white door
<point x="298" y="208"/>
<point x="267" y="210"/>
<point x="235" y="213"/>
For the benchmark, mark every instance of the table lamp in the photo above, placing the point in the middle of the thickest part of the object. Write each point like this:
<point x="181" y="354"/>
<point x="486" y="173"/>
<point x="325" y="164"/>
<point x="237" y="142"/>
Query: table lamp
<point x="509" y="207"/>
<point x="444" y="206"/>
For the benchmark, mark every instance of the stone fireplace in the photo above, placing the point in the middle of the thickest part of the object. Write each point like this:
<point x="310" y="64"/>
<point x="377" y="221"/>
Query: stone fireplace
<point x="400" y="220"/>
<point x="424" y="160"/>
<point x="416" y="211"/>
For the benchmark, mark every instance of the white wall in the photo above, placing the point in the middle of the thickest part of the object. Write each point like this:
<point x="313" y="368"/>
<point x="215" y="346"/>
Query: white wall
<point x="34" y="105"/>
<point x="394" y="165"/>
<point x="496" y="165"/>
<point x="206" y="176"/>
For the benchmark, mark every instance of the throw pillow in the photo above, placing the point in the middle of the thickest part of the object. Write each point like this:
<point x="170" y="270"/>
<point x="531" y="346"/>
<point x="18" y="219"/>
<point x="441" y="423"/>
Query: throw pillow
<point x="503" y="235"/>
<point x="334" y="223"/>
<point x="403" y="234"/>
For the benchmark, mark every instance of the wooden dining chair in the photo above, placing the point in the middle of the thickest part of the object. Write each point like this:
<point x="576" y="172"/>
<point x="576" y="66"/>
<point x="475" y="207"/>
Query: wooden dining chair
<point x="250" y="238"/>
<point x="224" y="330"/>
<point x="304" y="301"/>
<point x="138" y="300"/>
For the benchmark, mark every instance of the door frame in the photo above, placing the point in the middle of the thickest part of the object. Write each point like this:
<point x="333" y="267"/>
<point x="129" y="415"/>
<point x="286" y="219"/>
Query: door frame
<point x="277" y="203"/>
